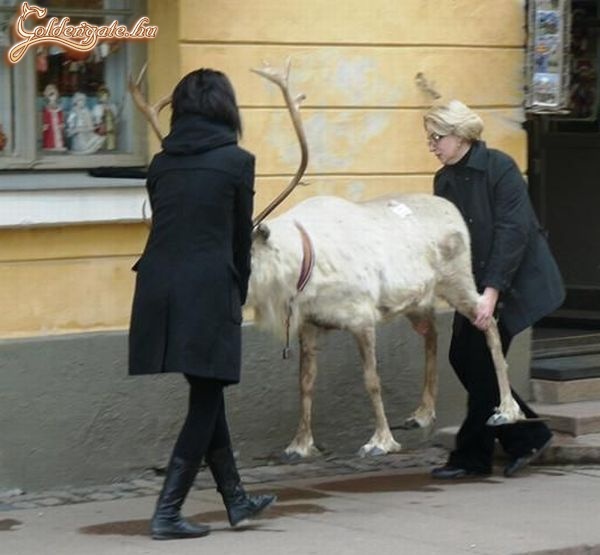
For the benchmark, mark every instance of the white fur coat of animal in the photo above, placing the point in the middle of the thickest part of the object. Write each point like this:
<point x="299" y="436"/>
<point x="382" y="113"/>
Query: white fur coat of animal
<point x="372" y="261"/>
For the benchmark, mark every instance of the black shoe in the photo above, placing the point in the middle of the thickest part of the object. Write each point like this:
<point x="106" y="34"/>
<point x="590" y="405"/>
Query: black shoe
<point x="240" y="506"/>
<point x="177" y="528"/>
<point x="449" y="472"/>
<point x="167" y="522"/>
<point x="521" y="462"/>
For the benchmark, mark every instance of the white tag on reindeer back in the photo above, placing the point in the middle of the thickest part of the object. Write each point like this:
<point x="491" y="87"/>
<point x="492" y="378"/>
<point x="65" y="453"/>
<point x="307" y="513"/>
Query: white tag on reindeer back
<point x="400" y="209"/>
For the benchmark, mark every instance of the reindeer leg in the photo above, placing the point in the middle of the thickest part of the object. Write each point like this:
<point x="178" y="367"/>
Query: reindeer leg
<point x="425" y="414"/>
<point x="460" y="292"/>
<point x="508" y="411"/>
<point x="382" y="441"/>
<point x="303" y="444"/>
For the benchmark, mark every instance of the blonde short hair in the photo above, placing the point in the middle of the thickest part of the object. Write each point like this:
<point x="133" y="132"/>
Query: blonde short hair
<point x="454" y="118"/>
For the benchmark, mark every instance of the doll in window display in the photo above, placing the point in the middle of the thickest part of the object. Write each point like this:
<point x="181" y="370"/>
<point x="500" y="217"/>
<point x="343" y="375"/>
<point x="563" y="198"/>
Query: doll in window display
<point x="105" y="118"/>
<point x="81" y="128"/>
<point x="53" y="121"/>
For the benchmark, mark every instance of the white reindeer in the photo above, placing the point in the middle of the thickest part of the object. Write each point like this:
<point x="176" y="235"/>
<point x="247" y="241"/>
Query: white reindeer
<point x="329" y="263"/>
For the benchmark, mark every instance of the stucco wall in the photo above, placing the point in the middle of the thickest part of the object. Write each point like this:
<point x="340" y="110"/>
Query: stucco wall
<point x="356" y="61"/>
<point x="67" y="279"/>
<point x="69" y="414"/>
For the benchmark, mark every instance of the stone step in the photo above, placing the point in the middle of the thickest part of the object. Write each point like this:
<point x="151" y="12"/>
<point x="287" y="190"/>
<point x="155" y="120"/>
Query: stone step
<point x="571" y="418"/>
<point x="566" y="368"/>
<point x="566" y="343"/>
<point x="554" y="391"/>
<point x="565" y="449"/>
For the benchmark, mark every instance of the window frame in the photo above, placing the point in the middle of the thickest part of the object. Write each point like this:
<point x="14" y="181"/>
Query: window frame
<point x="24" y="153"/>
<point x="560" y="74"/>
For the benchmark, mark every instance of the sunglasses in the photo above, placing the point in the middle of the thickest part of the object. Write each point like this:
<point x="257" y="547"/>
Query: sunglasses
<point x="435" y="138"/>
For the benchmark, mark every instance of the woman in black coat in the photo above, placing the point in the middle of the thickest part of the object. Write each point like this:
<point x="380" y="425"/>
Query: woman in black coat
<point x="515" y="273"/>
<point x="191" y="283"/>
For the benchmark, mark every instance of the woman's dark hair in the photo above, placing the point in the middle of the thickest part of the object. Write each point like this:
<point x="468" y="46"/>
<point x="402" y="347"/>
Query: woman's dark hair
<point x="208" y="93"/>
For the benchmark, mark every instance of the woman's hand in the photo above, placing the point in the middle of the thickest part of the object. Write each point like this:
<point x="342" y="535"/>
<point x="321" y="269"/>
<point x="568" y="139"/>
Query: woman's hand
<point x="485" y="308"/>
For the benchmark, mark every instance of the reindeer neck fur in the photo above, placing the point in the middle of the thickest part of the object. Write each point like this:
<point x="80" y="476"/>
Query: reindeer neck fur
<point x="276" y="265"/>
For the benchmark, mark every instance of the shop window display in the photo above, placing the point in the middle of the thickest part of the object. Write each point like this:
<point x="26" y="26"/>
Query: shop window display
<point x="62" y="108"/>
<point x="563" y="63"/>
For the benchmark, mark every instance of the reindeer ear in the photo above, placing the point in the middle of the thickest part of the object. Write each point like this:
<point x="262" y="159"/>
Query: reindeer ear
<point x="261" y="233"/>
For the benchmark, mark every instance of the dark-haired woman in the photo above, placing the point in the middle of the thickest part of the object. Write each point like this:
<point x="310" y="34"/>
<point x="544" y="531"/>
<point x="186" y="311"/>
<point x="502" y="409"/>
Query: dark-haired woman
<point x="191" y="283"/>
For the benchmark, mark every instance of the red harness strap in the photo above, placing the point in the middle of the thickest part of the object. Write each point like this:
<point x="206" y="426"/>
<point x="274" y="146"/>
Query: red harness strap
<point x="306" y="268"/>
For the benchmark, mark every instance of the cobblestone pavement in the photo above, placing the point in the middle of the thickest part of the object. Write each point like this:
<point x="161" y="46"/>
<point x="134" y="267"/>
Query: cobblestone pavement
<point x="151" y="481"/>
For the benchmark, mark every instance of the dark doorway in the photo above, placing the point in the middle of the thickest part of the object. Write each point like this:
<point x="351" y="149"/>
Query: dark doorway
<point x="564" y="182"/>
<point x="564" y="172"/>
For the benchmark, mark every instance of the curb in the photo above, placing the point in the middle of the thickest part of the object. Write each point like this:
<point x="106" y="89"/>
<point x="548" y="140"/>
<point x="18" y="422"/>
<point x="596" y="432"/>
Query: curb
<point x="565" y="449"/>
<point x="150" y="483"/>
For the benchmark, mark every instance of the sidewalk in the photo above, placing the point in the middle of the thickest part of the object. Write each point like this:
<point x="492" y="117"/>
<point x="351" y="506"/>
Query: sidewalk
<point x="387" y="505"/>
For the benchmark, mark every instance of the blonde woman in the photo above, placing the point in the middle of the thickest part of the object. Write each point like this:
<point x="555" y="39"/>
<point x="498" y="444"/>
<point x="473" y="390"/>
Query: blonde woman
<point x="516" y="275"/>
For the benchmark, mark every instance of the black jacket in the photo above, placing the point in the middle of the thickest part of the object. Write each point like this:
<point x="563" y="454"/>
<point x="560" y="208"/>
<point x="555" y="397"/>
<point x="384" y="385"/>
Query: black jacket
<point x="193" y="275"/>
<point x="509" y="250"/>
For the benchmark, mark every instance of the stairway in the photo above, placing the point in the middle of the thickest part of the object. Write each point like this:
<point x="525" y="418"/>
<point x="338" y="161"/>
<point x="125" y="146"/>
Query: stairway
<point x="565" y="379"/>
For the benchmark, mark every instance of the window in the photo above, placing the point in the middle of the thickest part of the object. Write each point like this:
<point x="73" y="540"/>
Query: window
<point x="62" y="109"/>
<point x="548" y="47"/>
<point x="563" y="57"/>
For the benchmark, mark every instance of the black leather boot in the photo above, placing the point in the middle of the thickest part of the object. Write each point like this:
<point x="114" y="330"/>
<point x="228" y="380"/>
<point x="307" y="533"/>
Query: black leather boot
<point x="240" y="506"/>
<point x="167" y="522"/>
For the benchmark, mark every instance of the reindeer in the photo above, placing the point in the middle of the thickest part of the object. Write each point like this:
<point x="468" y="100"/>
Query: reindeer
<point x="328" y="263"/>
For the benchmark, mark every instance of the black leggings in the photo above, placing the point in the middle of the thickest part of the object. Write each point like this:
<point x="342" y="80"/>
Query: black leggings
<point x="205" y="428"/>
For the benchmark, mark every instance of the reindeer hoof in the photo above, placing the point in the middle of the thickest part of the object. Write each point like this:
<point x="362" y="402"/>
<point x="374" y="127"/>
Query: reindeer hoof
<point x="498" y="419"/>
<point x="411" y="424"/>
<point x="366" y="451"/>
<point x="295" y="454"/>
<point x="291" y="457"/>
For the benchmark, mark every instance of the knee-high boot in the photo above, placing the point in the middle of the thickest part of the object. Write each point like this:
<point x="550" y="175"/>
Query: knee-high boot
<point x="167" y="522"/>
<point x="240" y="506"/>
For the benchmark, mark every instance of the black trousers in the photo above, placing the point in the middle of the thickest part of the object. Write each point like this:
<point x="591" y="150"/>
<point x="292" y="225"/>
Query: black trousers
<point x="472" y="362"/>
<point x="205" y="427"/>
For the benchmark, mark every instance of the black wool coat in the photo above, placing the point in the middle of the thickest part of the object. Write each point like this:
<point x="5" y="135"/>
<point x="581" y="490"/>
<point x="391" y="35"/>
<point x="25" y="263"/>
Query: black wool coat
<point x="508" y="247"/>
<point x="192" y="278"/>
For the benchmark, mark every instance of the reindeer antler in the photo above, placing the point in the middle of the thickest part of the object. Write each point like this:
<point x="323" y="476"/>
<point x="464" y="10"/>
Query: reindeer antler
<point x="293" y="105"/>
<point x="150" y="112"/>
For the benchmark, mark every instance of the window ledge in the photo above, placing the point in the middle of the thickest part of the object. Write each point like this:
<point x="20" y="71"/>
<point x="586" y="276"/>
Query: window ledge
<point x="68" y="198"/>
<point x="36" y="181"/>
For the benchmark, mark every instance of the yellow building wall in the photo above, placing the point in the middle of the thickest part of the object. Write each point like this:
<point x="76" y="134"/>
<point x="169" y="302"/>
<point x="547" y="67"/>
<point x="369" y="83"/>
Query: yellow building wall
<point x="357" y="63"/>
<point x="67" y="279"/>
